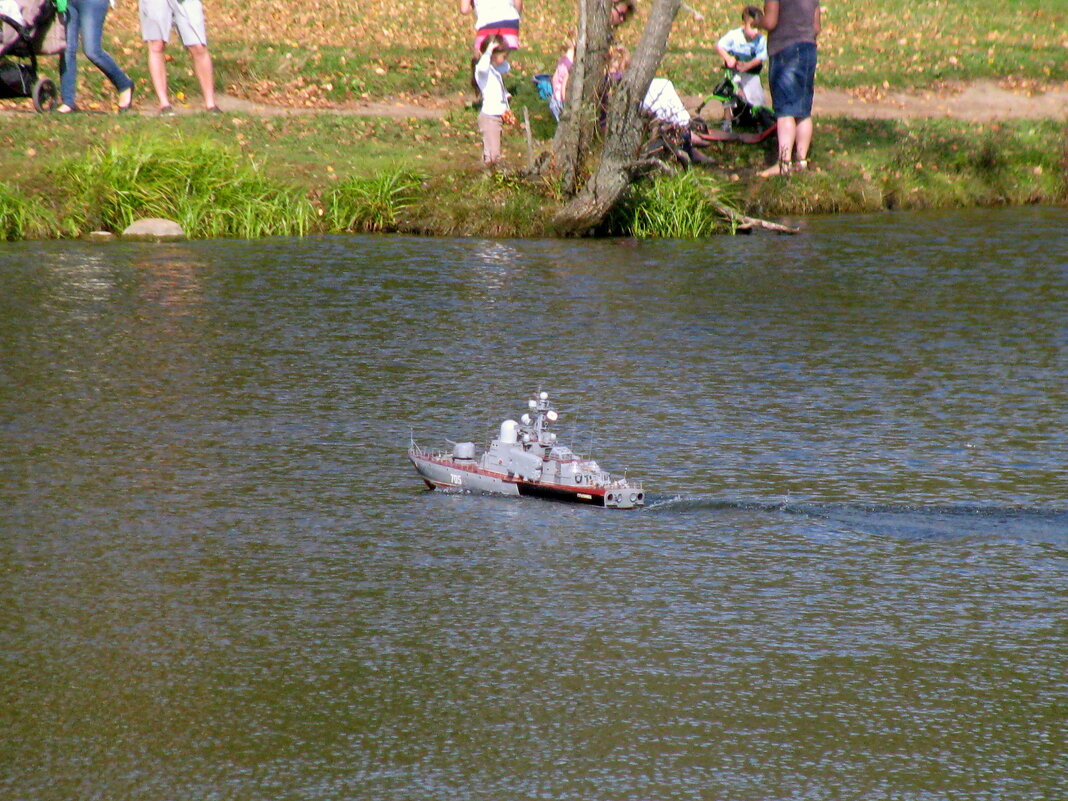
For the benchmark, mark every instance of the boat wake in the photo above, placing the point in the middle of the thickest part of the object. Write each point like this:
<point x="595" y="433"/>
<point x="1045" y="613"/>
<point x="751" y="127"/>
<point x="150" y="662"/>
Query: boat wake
<point x="910" y="522"/>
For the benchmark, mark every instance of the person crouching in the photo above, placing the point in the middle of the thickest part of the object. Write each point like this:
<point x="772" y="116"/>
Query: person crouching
<point x="488" y="75"/>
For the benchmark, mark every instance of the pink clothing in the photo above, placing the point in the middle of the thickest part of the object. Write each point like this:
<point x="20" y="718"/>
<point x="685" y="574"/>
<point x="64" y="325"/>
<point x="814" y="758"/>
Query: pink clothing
<point x="509" y="34"/>
<point x="496" y="17"/>
<point x="490" y="125"/>
<point x="563" y="70"/>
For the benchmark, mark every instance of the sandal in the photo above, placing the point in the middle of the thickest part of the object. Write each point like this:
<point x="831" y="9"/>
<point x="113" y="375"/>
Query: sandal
<point x="166" y="111"/>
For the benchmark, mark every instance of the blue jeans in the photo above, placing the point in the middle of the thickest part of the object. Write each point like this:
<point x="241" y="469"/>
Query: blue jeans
<point x="793" y="79"/>
<point x="85" y="18"/>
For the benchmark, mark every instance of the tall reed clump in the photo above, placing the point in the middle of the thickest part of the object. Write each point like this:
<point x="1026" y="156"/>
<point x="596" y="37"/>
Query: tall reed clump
<point x="210" y="190"/>
<point x="22" y="216"/>
<point x="687" y="205"/>
<point x="376" y="203"/>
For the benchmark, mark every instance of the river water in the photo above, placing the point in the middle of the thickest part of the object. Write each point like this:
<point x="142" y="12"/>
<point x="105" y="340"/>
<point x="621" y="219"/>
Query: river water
<point x="220" y="578"/>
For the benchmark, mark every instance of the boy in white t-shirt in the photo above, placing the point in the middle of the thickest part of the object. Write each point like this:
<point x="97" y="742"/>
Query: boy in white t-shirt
<point x="745" y="50"/>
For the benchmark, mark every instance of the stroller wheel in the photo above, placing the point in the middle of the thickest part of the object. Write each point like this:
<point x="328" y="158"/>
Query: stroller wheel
<point x="44" y="95"/>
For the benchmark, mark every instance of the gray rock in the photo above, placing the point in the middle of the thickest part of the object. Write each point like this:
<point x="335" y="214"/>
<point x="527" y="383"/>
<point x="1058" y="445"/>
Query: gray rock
<point x="154" y="228"/>
<point x="101" y="236"/>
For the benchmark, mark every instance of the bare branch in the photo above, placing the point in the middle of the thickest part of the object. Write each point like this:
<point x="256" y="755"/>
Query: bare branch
<point x="744" y="222"/>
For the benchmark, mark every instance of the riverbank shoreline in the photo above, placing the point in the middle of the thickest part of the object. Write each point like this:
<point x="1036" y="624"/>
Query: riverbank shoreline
<point x="419" y="173"/>
<point x="363" y="122"/>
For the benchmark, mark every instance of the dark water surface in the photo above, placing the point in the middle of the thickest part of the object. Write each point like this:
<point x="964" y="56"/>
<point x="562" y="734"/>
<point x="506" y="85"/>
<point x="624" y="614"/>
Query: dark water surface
<point x="220" y="579"/>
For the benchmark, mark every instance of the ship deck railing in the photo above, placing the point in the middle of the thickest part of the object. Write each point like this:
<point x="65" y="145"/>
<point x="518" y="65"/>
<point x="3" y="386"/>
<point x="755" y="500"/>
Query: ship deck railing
<point x="415" y="449"/>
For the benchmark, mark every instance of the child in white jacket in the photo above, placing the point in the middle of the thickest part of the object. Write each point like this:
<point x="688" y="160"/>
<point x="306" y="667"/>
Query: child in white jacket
<point x="488" y="72"/>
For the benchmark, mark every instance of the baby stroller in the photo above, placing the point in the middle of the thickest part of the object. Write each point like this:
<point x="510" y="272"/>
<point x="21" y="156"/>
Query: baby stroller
<point x="749" y="124"/>
<point x="29" y="28"/>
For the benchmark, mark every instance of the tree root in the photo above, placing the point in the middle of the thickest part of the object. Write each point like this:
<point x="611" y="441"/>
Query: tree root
<point x="643" y="166"/>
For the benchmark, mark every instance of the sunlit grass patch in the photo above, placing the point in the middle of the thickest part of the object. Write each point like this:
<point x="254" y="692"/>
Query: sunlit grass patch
<point x="682" y="206"/>
<point x="23" y="216"/>
<point x="868" y="165"/>
<point x="474" y="202"/>
<point x="328" y="54"/>
<point x="374" y="203"/>
<point x="239" y="175"/>
<point x="327" y="75"/>
<point x="209" y="189"/>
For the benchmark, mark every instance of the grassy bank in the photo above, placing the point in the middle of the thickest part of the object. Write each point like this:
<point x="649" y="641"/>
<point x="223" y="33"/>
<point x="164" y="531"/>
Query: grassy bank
<point x="247" y="175"/>
<point x="323" y="173"/>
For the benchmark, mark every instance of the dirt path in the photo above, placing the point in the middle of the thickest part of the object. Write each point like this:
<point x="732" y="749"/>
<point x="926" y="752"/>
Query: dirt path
<point x="433" y="109"/>
<point x="981" y="101"/>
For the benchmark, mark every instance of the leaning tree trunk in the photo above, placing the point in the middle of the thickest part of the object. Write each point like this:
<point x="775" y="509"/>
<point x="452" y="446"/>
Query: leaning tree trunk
<point x="578" y="119"/>
<point x="623" y="136"/>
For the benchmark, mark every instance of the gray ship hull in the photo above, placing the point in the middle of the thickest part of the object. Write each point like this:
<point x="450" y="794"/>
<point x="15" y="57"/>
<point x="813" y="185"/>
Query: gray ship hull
<point x="445" y="474"/>
<point x="442" y="472"/>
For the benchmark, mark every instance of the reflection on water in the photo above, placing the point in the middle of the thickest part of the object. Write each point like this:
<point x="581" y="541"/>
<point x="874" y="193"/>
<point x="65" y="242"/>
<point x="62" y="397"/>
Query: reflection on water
<point x="222" y="578"/>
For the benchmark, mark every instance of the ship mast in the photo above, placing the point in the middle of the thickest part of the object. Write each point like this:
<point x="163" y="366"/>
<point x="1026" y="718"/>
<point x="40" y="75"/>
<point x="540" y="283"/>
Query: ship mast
<point x="542" y="413"/>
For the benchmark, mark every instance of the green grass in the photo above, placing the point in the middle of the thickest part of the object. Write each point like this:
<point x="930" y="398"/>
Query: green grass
<point x="869" y="165"/>
<point x="251" y="176"/>
<point x="248" y="175"/>
<point x="287" y="52"/>
<point x="475" y="203"/>
<point x="681" y="206"/>
<point x="912" y="45"/>
<point x="864" y="44"/>
<point x="339" y="74"/>
<point x="22" y="215"/>
<point x="372" y="203"/>
<point x="206" y="187"/>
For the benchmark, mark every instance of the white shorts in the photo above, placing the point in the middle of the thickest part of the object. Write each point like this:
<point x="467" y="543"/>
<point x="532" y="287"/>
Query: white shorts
<point x="157" y="16"/>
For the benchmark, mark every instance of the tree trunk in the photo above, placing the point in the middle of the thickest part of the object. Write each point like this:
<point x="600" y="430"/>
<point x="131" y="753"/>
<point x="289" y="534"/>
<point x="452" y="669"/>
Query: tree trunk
<point x="578" y="119"/>
<point x="623" y="136"/>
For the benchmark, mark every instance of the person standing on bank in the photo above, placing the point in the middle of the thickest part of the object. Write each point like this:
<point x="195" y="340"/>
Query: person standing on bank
<point x="157" y="17"/>
<point x="495" y="109"/>
<point x="85" y="20"/>
<point x="792" y="27"/>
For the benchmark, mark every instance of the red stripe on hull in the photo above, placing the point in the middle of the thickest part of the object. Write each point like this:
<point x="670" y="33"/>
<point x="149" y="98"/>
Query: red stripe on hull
<point x="574" y="489"/>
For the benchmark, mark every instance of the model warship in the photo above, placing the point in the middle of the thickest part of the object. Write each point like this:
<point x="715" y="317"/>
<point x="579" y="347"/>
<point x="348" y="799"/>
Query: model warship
<point x="526" y="459"/>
